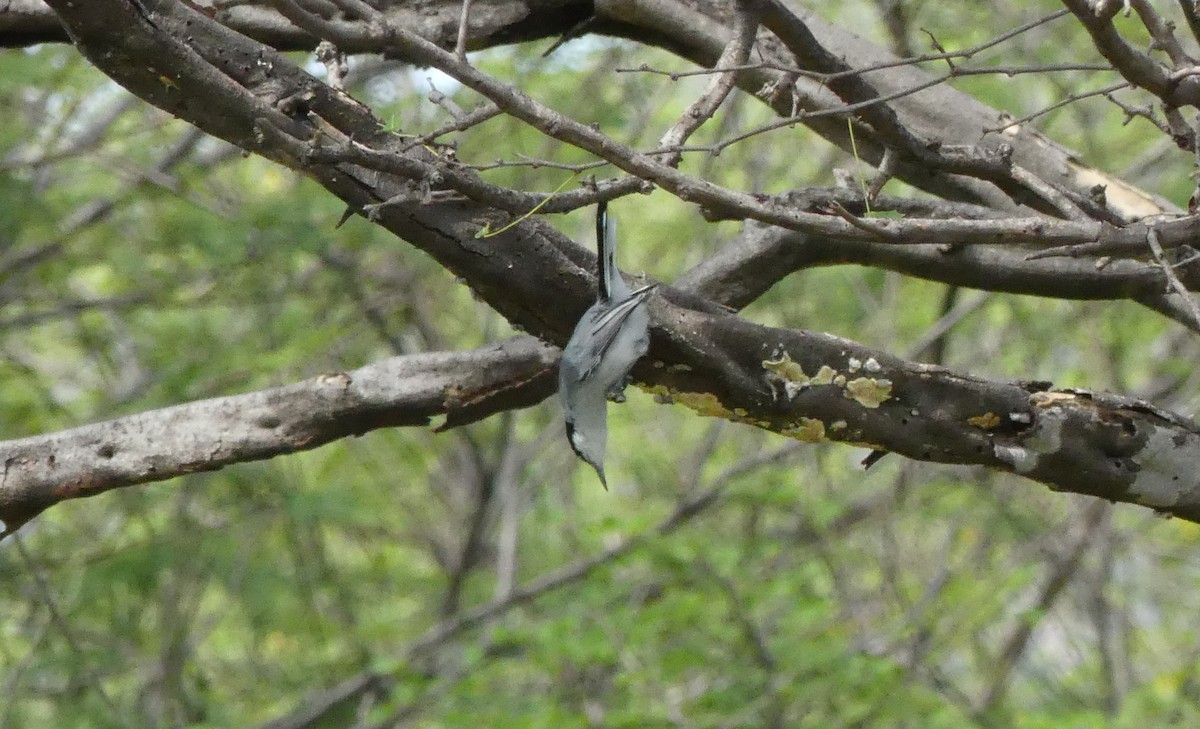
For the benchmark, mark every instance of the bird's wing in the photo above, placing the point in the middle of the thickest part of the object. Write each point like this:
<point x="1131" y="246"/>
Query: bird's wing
<point x="608" y="324"/>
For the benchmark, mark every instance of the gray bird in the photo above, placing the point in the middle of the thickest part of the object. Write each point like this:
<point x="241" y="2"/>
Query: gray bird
<point x="611" y="336"/>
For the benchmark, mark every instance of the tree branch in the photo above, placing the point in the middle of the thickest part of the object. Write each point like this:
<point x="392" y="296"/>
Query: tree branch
<point x="210" y="434"/>
<point x="1137" y="67"/>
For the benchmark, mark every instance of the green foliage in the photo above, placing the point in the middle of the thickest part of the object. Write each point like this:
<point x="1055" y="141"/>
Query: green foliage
<point x="806" y="593"/>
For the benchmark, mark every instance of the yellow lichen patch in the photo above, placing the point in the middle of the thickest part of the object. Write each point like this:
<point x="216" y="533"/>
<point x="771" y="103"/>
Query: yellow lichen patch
<point x="659" y="390"/>
<point x="868" y="391"/>
<point x="787" y="369"/>
<point x="987" y="421"/>
<point x="704" y="403"/>
<point x="810" y="430"/>
<point x="824" y="375"/>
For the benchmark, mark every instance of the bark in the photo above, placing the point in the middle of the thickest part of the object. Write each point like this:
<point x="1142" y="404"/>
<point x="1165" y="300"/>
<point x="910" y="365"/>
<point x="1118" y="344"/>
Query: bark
<point x="210" y="434"/>
<point x="697" y="30"/>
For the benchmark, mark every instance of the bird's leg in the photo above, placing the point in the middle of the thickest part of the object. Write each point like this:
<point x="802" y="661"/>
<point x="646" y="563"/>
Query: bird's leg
<point x="617" y="392"/>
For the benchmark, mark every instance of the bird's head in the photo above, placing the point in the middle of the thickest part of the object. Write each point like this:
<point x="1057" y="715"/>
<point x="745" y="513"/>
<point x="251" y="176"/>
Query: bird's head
<point x="589" y="448"/>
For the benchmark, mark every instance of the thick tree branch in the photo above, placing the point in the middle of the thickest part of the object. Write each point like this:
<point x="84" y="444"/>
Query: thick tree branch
<point x="210" y="434"/>
<point x="698" y="30"/>
<point x="809" y="386"/>
<point x="493" y="22"/>
<point x="728" y="202"/>
<point x="764" y="255"/>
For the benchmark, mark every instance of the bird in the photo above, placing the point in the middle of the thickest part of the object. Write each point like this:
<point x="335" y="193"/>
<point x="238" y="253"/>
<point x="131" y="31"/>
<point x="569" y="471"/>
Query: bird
<point x="612" y="335"/>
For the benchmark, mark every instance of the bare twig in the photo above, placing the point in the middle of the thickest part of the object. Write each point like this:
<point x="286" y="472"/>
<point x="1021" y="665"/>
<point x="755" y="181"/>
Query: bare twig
<point x="948" y="320"/>
<point x="1172" y="278"/>
<point x="526" y="161"/>
<point x="1191" y="14"/>
<point x="46" y="595"/>
<point x="447" y="103"/>
<point x="1049" y="193"/>
<point x="472" y="118"/>
<point x="1070" y="99"/>
<point x="1058" y="576"/>
<point x="860" y="223"/>
<point x="1138" y="68"/>
<point x="460" y="45"/>
<point x="1162" y="32"/>
<point x="701" y="110"/>
<point x="885" y="172"/>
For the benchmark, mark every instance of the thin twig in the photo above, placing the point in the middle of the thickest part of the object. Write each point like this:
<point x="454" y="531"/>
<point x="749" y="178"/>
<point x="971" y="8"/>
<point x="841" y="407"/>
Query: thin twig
<point x="1162" y="32"/>
<point x="1172" y="279"/>
<point x="860" y="223"/>
<point x="910" y="61"/>
<point x="1049" y="193"/>
<point x="701" y="110"/>
<point x="60" y="622"/>
<point x="460" y="46"/>
<point x="472" y="118"/>
<point x="1058" y="105"/>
